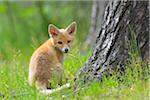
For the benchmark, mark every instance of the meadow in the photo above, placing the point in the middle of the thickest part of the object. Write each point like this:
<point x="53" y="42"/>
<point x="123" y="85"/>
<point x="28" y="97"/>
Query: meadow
<point x="14" y="82"/>
<point x="23" y="28"/>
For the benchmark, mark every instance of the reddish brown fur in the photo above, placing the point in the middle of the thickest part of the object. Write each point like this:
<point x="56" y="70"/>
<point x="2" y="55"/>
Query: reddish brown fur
<point x="47" y="60"/>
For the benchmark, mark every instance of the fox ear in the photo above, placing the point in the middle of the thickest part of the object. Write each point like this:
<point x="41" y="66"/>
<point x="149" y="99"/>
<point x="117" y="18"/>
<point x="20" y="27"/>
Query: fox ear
<point x="72" y="28"/>
<point x="53" y="30"/>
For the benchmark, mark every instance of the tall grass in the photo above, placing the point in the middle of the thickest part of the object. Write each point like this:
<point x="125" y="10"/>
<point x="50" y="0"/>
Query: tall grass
<point x="134" y="85"/>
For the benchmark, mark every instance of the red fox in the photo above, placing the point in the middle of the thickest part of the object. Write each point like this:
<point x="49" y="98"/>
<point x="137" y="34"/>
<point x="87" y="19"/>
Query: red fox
<point x="47" y="61"/>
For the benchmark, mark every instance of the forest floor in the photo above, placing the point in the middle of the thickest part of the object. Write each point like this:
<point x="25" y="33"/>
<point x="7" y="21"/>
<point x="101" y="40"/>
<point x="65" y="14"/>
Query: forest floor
<point x="14" y="82"/>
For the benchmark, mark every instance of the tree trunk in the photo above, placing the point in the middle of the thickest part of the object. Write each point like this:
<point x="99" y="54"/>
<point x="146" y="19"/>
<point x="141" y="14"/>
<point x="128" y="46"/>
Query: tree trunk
<point x="98" y="9"/>
<point x="111" y="48"/>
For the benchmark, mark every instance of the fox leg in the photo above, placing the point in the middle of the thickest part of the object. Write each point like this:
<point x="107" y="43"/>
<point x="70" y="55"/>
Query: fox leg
<point x="42" y="84"/>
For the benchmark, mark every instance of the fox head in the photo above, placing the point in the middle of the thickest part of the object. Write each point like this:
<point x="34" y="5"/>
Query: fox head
<point x="62" y="38"/>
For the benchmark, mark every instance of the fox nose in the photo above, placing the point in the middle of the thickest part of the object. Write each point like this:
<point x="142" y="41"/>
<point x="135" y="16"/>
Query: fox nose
<point x="66" y="50"/>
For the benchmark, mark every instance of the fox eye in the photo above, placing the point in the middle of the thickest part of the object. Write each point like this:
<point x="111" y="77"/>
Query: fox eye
<point x="68" y="41"/>
<point x="59" y="42"/>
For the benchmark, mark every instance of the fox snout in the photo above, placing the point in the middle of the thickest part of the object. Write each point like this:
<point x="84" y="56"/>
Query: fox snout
<point x="65" y="50"/>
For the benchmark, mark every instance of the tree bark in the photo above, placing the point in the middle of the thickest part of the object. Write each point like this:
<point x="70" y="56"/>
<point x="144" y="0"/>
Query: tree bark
<point x="111" y="49"/>
<point x="98" y="9"/>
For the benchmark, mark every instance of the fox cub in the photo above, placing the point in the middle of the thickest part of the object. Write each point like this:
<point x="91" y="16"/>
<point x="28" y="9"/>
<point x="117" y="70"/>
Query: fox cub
<point x="47" y="61"/>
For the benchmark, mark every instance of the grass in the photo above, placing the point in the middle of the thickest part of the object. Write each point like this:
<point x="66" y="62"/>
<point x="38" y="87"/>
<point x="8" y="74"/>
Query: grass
<point x="134" y="85"/>
<point x="14" y="85"/>
<point x="14" y="74"/>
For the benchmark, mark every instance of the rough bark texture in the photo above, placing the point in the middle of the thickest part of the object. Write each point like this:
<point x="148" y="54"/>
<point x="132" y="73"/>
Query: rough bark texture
<point x="111" y="48"/>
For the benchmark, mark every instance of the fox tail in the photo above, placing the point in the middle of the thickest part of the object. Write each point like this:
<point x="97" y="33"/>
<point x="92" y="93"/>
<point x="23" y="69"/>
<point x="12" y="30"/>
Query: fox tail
<point x="50" y="91"/>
